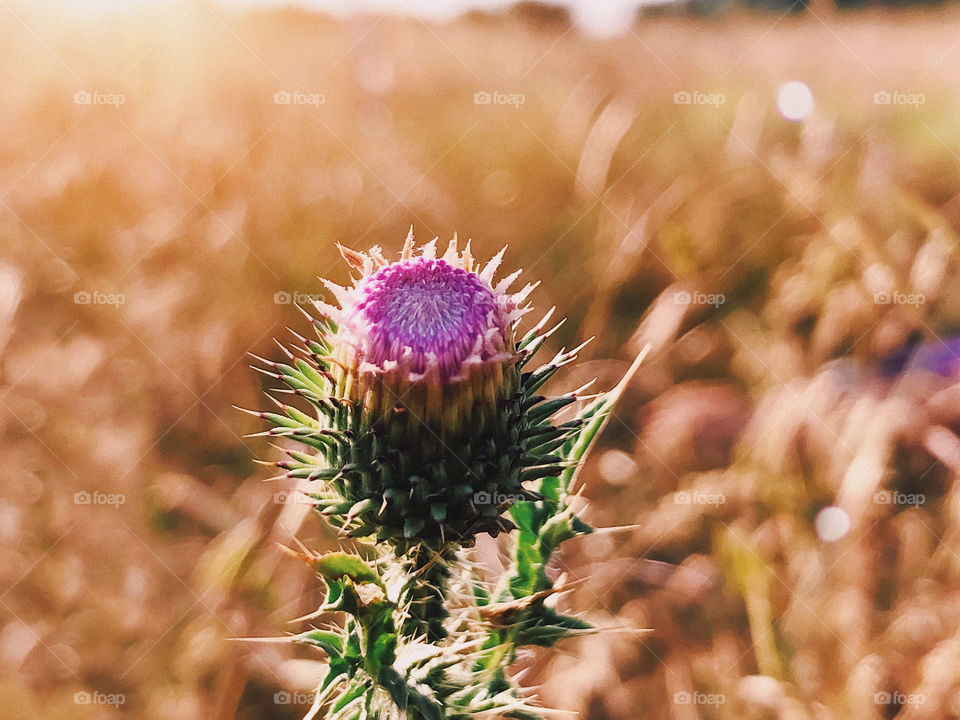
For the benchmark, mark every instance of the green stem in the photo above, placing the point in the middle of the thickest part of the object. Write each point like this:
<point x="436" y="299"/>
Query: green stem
<point x="427" y="571"/>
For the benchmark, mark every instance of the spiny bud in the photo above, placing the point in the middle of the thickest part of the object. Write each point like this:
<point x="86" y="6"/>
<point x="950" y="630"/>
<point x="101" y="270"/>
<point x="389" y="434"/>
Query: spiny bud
<point x="426" y="425"/>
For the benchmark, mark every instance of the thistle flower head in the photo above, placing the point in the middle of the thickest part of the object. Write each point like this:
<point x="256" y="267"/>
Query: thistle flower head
<point x="429" y="337"/>
<point x="427" y="315"/>
<point x="427" y="427"/>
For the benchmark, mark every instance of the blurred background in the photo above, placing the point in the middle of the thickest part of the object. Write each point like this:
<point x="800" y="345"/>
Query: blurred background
<point x="768" y="195"/>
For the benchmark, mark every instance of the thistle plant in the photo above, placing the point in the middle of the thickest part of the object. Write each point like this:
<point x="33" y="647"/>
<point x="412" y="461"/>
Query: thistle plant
<point x="420" y="426"/>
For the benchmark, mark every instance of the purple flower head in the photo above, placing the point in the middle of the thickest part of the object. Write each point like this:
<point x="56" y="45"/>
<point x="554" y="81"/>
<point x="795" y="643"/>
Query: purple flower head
<point x="427" y="309"/>
<point x="432" y="336"/>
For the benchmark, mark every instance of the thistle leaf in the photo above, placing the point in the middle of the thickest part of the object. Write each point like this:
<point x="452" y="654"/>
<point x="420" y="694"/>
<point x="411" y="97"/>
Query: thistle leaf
<point x="595" y="417"/>
<point x="338" y="565"/>
<point x="331" y="643"/>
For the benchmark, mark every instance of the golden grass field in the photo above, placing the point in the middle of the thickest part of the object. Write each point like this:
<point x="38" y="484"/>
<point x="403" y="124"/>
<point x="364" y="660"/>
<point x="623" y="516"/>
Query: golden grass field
<point x="147" y="245"/>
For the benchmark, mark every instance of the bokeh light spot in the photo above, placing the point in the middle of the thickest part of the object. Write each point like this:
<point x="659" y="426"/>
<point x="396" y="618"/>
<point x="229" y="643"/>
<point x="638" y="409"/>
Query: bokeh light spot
<point x="794" y="100"/>
<point x="832" y="523"/>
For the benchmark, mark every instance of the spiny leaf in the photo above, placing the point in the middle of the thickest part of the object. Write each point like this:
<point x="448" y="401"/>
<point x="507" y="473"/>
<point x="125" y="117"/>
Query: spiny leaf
<point x="330" y="642"/>
<point x="338" y="565"/>
<point x="595" y="417"/>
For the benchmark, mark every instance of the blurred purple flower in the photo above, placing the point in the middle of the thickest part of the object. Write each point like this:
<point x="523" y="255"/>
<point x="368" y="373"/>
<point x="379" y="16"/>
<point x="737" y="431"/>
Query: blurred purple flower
<point x="941" y="356"/>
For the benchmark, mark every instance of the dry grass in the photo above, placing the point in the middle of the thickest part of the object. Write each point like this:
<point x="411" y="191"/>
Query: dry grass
<point x="198" y="199"/>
